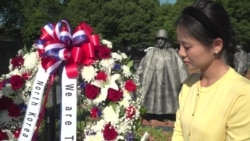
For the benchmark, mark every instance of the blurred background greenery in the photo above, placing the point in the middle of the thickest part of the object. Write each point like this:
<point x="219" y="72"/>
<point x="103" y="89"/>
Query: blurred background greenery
<point x="127" y="23"/>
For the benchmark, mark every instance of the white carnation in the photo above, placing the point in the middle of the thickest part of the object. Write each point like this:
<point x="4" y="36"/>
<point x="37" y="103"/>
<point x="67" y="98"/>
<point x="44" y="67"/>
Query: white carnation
<point x="88" y="73"/>
<point x="126" y="70"/>
<point x="107" y="63"/>
<point x="125" y="125"/>
<point x="116" y="56"/>
<point x="125" y="102"/>
<point x="110" y="114"/>
<point x="31" y="60"/>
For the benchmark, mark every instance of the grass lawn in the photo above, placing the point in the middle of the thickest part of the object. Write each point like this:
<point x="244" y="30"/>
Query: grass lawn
<point x="156" y="133"/>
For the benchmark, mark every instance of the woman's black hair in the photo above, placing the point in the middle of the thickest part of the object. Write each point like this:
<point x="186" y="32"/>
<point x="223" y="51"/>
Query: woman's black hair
<point x="206" y="20"/>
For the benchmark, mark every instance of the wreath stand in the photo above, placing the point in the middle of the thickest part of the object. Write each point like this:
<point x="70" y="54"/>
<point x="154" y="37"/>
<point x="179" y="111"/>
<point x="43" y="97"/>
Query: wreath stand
<point x="51" y="114"/>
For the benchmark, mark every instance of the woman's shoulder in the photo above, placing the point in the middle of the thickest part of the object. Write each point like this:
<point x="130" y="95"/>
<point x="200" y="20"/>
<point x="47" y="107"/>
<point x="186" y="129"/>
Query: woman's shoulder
<point x="238" y="78"/>
<point x="238" y="82"/>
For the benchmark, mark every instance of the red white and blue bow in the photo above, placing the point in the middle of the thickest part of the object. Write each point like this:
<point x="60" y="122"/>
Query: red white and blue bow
<point x="59" y="48"/>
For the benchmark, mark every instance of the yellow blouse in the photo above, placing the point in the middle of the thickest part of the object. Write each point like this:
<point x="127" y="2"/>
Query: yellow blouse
<point x="220" y="112"/>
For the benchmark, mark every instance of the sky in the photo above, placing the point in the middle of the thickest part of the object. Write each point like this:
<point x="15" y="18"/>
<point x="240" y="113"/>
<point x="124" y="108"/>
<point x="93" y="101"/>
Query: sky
<point x="170" y="1"/>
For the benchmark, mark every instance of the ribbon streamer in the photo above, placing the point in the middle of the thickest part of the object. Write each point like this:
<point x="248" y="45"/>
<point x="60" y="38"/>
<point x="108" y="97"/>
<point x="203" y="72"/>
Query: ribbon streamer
<point x="33" y="110"/>
<point x="56" y="47"/>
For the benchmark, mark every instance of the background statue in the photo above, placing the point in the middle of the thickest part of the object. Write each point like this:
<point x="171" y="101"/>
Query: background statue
<point x="240" y="60"/>
<point x="162" y="73"/>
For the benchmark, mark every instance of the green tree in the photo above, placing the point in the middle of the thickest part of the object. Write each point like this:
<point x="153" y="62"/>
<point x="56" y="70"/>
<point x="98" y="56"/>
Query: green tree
<point x="88" y="11"/>
<point x="10" y="21"/>
<point x="169" y="14"/>
<point x="239" y="13"/>
<point x="36" y="14"/>
<point x="128" y="23"/>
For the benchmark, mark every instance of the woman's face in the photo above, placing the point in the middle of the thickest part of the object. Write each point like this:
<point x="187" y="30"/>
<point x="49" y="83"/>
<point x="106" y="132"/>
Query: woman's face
<point x="193" y="53"/>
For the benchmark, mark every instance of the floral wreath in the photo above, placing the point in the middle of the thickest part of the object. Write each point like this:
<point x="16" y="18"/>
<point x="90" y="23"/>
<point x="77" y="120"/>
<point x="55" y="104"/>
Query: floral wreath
<point x="108" y="92"/>
<point x="112" y="95"/>
<point x="15" y="88"/>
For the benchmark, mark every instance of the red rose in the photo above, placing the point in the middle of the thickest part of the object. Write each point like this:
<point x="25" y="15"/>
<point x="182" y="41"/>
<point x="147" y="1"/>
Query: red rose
<point x="91" y="91"/>
<point x="14" y="110"/>
<point x="130" y="112"/>
<point x="16" y="82"/>
<point x="101" y="76"/>
<point x="109" y="132"/>
<point x="104" y="52"/>
<point x="3" y="135"/>
<point x="114" y="95"/>
<point x="5" y="103"/>
<point x="17" y="61"/>
<point x="130" y="86"/>
<point x="94" y="112"/>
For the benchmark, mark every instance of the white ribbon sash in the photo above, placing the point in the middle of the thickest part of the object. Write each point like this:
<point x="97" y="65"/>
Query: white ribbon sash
<point x="68" y="108"/>
<point x="34" y="105"/>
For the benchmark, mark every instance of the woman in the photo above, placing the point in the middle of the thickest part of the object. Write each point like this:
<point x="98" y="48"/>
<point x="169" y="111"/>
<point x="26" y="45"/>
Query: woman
<point x="214" y="104"/>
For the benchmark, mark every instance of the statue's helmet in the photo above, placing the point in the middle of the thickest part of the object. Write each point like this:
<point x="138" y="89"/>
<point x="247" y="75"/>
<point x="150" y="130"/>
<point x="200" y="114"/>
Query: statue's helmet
<point x="161" y="34"/>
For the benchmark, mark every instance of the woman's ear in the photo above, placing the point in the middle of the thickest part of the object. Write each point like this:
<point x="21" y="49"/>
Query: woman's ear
<point x="217" y="45"/>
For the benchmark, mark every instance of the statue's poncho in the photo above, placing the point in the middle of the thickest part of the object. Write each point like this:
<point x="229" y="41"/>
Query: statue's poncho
<point x="240" y="62"/>
<point x="161" y="74"/>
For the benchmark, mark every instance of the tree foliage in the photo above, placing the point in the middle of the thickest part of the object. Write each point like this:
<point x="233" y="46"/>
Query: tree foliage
<point x="169" y="14"/>
<point x="127" y="23"/>
<point x="10" y="20"/>
<point x="239" y="12"/>
<point x="36" y="13"/>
